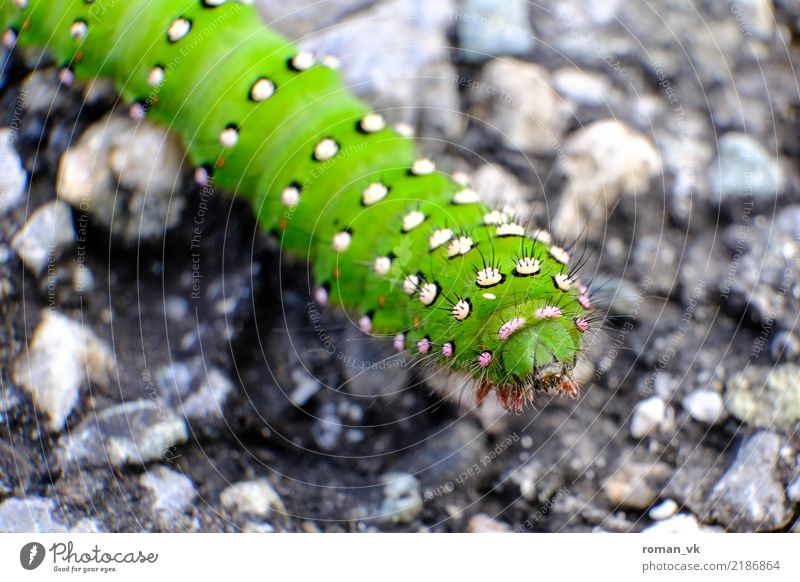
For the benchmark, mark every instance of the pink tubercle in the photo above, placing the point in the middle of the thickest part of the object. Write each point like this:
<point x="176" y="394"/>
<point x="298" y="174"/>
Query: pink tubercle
<point x="548" y="312"/>
<point x="424" y="345"/>
<point x="66" y="76"/>
<point x="510" y="327"/>
<point x="365" y="324"/>
<point x="137" y="112"/>
<point x="400" y="342"/>
<point x="584" y="301"/>
<point x="321" y="296"/>
<point x="485" y="359"/>
<point x="582" y="325"/>
<point x="447" y="350"/>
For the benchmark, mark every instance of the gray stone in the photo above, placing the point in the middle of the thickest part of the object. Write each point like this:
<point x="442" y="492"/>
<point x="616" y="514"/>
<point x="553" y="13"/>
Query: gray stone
<point x="13" y="177"/>
<point x="48" y="233"/>
<point x="744" y="168"/>
<point x="196" y="389"/>
<point x="144" y="159"/>
<point x="793" y="490"/>
<point x="395" y="55"/>
<point x="256" y="498"/>
<point x="766" y="397"/>
<point x="135" y="433"/>
<point x="63" y="355"/>
<point x="172" y="497"/>
<point x="762" y="278"/>
<point x="490" y="28"/>
<point x="582" y="87"/>
<point x="785" y="346"/>
<point x="637" y="485"/>
<point x="402" y="499"/>
<point x="750" y="496"/>
<point x="327" y="428"/>
<point x="30" y="515"/>
<point x="519" y="105"/>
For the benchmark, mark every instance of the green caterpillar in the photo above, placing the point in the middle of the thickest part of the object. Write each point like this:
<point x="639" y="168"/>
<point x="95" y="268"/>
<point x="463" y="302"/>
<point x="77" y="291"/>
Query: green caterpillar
<point x="409" y="251"/>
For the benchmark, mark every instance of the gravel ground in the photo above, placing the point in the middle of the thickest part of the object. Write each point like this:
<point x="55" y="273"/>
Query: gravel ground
<point x="161" y="369"/>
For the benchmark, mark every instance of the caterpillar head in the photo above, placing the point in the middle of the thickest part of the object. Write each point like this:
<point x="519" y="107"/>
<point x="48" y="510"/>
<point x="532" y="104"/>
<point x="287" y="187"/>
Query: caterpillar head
<point x="500" y="304"/>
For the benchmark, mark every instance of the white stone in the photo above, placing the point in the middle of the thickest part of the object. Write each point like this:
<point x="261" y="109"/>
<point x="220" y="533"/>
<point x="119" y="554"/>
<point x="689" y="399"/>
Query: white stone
<point x="681" y="523"/>
<point x="705" y="406"/>
<point x="62" y="355"/>
<point x="13" y="177"/>
<point x="45" y="237"/>
<point x="256" y="497"/>
<point x="647" y="416"/>
<point x="172" y="494"/>
<point x="663" y="510"/>
<point x="402" y="500"/>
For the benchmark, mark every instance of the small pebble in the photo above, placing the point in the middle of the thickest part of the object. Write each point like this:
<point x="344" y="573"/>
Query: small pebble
<point x="663" y="510"/>
<point x="402" y="500"/>
<point x="705" y="406"/>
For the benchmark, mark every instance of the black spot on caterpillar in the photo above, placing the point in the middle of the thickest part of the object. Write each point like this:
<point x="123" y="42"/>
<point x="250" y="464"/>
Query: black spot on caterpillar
<point x="410" y="251"/>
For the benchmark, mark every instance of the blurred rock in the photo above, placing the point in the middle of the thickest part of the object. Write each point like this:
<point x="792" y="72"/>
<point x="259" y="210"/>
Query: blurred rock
<point x="517" y="101"/>
<point x="647" y="417"/>
<point x="601" y="162"/>
<point x="255" y="498"/>
<point x="490" y="28"/>
<point x="750" y="496"/>
<point x="785" y="346"/>
<point x="127" y="172"/>
<point x="458" y="453"/>
<point x="16" y="469"/>
<point x="754" y="16"/>
<point x="482" y="523"/>
<point x="44" y="238"/>
<point x="763" y="277"/>
<point x="744" y="168"/>
<point x="582" y="87"/>
<point x="62" y="356"/>
<point x="637" y="485"/>
<point x="402" y="499"/>
<point x="766" y="397"/>
<point x="705" y="406"/>
<point x="133" y="433"/>
<point x="197" y="390"/>
<point x="13" y="177"/>
<point x="499" y="188"/>
<point x="172" y="497"/>
<point x="30" y="515"/>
